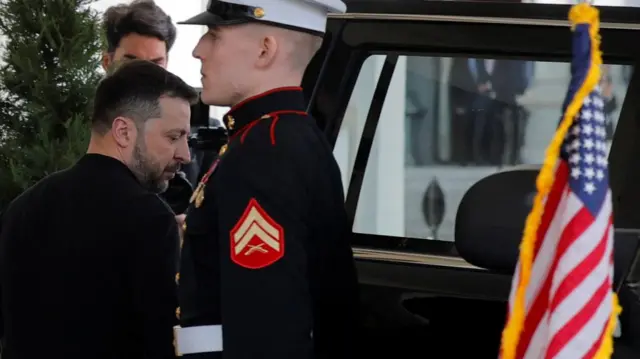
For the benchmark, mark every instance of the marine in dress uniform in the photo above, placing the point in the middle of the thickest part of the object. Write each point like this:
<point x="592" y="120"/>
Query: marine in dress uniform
<point x="267" y="270"/>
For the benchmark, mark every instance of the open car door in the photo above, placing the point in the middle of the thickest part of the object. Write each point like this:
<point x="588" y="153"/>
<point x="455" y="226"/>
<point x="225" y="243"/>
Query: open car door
<point x="422" y="101"/>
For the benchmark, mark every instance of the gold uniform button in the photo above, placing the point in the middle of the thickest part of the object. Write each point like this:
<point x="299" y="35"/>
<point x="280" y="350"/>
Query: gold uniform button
<point x="177" y="278"/>
<point x="178" y="313"/>
<point x="231" y="122"/>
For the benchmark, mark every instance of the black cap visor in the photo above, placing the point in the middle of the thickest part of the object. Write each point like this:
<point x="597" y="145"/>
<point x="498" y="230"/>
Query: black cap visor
<point x="222" y="13"/>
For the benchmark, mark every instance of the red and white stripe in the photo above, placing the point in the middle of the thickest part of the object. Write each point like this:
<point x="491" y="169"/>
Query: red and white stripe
<point x="568" y="300"/>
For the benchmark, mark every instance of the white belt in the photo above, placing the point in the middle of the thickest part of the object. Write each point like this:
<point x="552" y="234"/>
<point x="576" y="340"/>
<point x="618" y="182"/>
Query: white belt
<point x="200" y="339"/>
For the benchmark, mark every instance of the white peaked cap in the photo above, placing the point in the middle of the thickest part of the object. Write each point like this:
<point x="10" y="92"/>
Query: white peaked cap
<point x="304" y="15"/>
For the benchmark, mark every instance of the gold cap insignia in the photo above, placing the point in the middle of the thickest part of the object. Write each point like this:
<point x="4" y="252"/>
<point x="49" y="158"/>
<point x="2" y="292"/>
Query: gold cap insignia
<point x="258" y="12"/>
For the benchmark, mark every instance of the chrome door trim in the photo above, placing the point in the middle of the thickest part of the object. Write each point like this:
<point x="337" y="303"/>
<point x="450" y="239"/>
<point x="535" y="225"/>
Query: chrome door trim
<point x="474" y="19"/>
<point x="412" y="258"/>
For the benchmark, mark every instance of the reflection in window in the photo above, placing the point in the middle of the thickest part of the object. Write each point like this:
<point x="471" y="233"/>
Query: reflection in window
<point x="453" y="121"/>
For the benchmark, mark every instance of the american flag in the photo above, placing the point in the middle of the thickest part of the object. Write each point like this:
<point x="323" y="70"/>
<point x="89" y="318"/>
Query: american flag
<point x="567" y="301"/>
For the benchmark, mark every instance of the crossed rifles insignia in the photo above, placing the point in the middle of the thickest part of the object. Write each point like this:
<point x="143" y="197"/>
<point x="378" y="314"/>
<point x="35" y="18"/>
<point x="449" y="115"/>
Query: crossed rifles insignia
<point x="257" y="240"/>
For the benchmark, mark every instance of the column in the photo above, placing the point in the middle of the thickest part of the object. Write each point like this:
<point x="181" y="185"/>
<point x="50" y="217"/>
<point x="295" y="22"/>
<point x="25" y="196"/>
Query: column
<point x="181" y="62"/>
<point x="390" y="157"/>
<point x="381" y="204"/>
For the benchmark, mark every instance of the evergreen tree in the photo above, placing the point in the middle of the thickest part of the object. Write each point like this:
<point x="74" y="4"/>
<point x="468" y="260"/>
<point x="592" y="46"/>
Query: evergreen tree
<point x="49" y="69"/>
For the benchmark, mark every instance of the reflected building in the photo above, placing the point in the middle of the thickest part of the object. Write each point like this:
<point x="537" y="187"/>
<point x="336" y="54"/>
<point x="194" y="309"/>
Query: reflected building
<point x="418" y="117"/>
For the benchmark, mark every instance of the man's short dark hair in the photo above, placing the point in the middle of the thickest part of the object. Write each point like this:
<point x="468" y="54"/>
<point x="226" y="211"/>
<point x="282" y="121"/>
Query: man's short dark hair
<point x="133" y="89"/>
<point x="142" y="17"/>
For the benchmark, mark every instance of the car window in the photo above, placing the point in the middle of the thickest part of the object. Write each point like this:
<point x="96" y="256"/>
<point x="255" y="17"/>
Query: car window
<point x="447" y="122"/>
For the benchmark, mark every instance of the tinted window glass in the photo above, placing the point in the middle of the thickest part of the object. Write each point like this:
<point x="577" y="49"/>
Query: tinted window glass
<point x="449" y="122"/>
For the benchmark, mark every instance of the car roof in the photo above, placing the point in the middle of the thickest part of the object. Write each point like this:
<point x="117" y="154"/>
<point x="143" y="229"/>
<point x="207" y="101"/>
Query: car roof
<point x="482" y="9"/>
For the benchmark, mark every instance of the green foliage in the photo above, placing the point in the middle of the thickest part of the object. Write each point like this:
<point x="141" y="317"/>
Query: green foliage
<point x="49" y="69"/>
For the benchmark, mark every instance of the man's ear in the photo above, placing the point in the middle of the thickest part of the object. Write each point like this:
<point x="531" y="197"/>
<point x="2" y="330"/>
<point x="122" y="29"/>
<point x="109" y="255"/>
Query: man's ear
<point x="268" y="51"/>
<point x="124" y="131"/>
<point x="106" y="60"/>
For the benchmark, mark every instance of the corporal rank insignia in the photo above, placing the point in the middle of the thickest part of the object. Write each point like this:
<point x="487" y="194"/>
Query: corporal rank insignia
<point x="257" y="240"/>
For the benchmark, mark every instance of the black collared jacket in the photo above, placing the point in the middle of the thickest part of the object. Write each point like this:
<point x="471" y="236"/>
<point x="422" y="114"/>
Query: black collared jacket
<point x="87" y="265"/>
<point x="266" y="251"/>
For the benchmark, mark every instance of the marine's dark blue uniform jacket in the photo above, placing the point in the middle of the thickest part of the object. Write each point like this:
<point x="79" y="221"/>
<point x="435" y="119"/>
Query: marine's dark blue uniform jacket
<point x="266" y="251"/>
